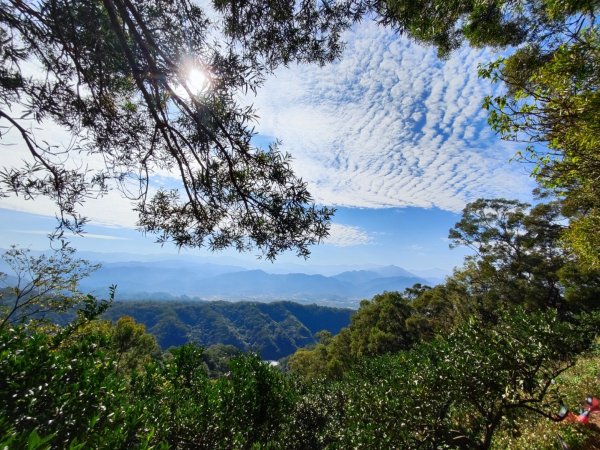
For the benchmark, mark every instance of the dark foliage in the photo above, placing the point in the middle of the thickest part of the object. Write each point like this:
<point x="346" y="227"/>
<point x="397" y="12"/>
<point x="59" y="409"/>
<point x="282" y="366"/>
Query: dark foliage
<point x="115" y="75"/>
<point x="273" y="330"/>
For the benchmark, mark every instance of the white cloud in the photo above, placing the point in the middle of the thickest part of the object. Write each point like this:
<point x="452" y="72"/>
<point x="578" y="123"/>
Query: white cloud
<point x="109" y="210"/>
<point x="346" y="236"/>
<point x="390" y="125"/>
<point x="105" y="237"/>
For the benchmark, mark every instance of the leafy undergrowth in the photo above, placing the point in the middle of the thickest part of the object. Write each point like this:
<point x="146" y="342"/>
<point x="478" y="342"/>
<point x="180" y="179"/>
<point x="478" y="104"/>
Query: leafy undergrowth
<point x="537" y="432"/>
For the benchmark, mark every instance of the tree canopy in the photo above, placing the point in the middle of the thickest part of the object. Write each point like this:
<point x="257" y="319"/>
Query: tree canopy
<point x="498" y="23"/>
<point x="35" y="285"/>
<point x="517" y="255"/>
<point x="519" y="260"/>
<point x="552" y="100"/>
<point x="116" y="75"/>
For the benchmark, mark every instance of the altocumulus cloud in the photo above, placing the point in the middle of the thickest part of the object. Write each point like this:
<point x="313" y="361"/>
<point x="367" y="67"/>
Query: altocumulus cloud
<point x="390" y="125"/>
<point x="346" y="236"/>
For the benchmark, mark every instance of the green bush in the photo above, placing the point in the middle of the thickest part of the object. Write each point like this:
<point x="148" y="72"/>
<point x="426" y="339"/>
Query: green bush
<point x="250" y="406"/>
<point x="459" y="391"/>
<point x="70" y="394"/>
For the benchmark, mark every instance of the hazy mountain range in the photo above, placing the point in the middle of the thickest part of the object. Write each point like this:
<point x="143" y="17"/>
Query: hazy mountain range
<point x="152" y="278"/>
<point x="172" y="279"/>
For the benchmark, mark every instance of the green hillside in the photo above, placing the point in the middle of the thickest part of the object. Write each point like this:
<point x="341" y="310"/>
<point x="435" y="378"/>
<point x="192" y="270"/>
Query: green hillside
<point x="273" y="330"/>
<point x="504" y="354"/>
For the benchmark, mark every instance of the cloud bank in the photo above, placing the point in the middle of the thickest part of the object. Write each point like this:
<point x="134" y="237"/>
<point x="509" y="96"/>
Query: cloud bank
<point x="104" y="237"/>
<point x="346" y="236"/>
<point x="390" y="125"/>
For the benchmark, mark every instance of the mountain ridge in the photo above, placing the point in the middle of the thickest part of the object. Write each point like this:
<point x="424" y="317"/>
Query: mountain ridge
<point x="215" y="282"/>
<point x="195" y="278"/>
<point x="273" y="330"/>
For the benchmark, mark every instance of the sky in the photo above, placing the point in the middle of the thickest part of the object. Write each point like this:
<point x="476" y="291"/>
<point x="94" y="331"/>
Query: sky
<point x="391" y="136"/>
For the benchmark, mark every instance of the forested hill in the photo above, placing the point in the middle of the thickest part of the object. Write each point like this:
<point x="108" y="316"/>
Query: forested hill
<point x="274" y="330"/>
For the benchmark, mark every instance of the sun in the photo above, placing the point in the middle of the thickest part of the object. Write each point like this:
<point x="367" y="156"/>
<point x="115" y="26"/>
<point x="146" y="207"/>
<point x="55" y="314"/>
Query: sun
<point x="195" y="81"/>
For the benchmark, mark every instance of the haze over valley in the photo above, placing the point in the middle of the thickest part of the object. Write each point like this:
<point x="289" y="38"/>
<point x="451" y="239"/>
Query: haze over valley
<point x="171" y="279"/>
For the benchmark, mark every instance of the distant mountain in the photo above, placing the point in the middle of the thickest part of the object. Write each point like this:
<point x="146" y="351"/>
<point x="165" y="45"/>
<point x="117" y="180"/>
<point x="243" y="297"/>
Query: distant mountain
<point x="434" y="276"/>
<point x="359" y="276"/>
<point x="194" y="278"/>
<point x="257" y="283"/>
<point x="274" y="330"/>
<point x="172" y="277"/>
<point x="379" y="285"/>
<point x="393" y="271"/>
<point x="143" y="280"/>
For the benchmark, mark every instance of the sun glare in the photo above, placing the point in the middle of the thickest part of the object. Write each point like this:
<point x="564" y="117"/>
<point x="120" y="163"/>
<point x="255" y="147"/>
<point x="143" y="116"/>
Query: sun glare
<point x="196" y="81"/>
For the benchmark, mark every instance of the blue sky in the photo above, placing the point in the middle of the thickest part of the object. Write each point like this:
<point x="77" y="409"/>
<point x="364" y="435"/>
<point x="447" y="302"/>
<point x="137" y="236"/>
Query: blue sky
<point x="391" y="136"/>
